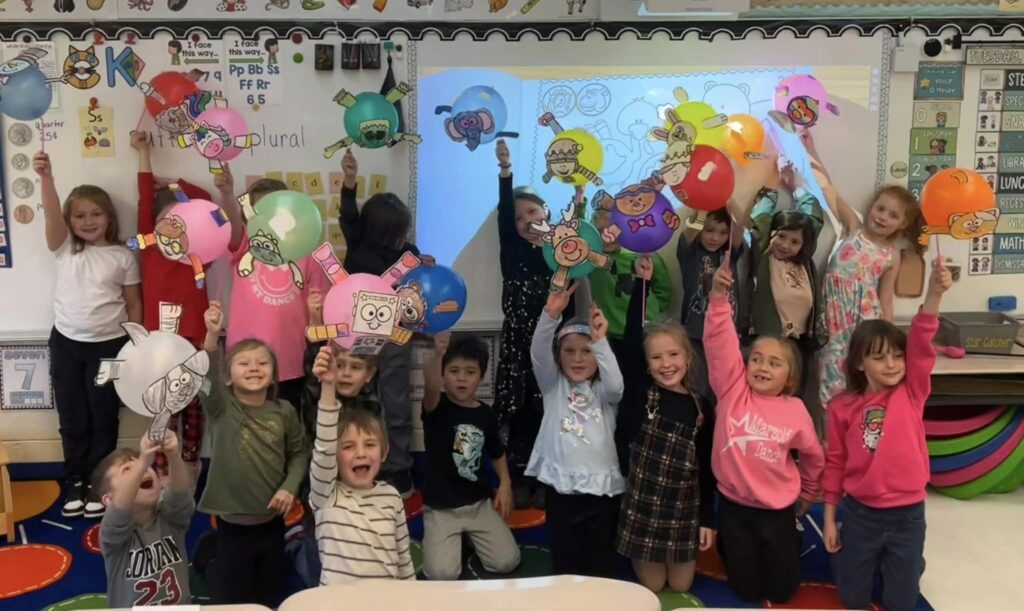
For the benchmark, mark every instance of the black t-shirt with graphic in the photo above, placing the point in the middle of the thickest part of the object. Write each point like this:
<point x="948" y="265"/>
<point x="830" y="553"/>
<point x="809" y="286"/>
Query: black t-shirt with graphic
<point x="458" y="440"/>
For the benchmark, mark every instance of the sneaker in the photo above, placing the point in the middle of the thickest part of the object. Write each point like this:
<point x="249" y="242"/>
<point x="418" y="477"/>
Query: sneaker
<point x="74" y="502"/>
<point x="401" y="480"/>
<point x="94" y="509"/>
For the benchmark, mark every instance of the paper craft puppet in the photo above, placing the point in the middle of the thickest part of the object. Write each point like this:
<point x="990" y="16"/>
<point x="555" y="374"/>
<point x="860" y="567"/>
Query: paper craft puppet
<point x="478" y="116"/>
<point x="27" y="58"/>
<point x="570" y="249"/>
<point x="564" y="157"/>
<point x="263" y="247"/>
<point x="157" y="373"/>
<point x="642" y="219"/>
<point x="371" y="120"/>
<point x="212" y="139"/>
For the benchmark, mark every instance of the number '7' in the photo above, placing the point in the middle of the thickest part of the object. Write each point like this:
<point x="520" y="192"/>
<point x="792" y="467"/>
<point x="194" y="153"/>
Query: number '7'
<point x="30" y="370"/>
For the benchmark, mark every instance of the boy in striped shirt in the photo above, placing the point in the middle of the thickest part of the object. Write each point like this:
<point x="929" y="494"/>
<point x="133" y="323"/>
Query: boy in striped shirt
<point x="360" y="524"/>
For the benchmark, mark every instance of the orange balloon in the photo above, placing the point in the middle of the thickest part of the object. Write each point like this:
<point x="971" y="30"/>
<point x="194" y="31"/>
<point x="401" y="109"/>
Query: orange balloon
<point x="743" y="134"/>
<point x="954" y="191"/>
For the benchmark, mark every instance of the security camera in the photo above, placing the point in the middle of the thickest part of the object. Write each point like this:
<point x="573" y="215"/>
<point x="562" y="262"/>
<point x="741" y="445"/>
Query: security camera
<point x="932" y="47"/>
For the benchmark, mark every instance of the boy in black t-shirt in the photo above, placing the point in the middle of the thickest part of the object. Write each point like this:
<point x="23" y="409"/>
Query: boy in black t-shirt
<point x="458" y="432"/>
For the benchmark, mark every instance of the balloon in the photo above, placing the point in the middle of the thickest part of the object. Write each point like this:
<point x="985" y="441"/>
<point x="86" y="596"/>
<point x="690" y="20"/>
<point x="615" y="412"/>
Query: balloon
<point x="371" y="108"/>
<point x="25" y="95"/>
<point x="340" y="307"/>
<point x="743" y="134"/>
<point x="222" y="126"/>
<point x="432" y="299"/>
<point x="643" y="217"/>
<point x="156" y="374"/>
<point x="954" y="191"/>
<point x="570" y="251"/>
<point x="706" y="121"/>
<point x="478" y="116"/>
<point x="802" y="98"/>
<point x="574" y="157"/>
<point x="286" y="226"/>
<point x="205" y="228"/>
<point x="710" y="181"/>
<point x="168" y="90"/>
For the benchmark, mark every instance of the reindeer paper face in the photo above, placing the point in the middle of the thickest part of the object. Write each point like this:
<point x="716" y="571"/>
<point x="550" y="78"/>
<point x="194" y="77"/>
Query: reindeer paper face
<point x="572" y="249"/>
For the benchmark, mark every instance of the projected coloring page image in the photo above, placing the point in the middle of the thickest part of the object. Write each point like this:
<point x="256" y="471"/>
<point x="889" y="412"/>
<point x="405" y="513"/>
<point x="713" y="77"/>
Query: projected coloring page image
<point x="458" y="189"/>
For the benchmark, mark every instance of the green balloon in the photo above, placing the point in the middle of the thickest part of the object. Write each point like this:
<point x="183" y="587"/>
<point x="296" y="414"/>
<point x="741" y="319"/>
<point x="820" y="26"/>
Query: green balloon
<point x="287" y="226"/>
<point x="372" y="121"/>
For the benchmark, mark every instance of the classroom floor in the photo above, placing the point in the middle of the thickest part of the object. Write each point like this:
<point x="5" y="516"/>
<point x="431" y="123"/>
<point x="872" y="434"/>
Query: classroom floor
<point x="971" y="564"/>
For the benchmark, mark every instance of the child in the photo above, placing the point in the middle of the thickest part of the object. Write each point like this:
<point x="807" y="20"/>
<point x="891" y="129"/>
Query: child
<point x="758" y="426"/>
<point x="457" y="431"/>
<point x="258" y="460"/>
<point x="97" y="290"/>
<point x="786" y="302"/>
<point x="142" y="535"/>
<point x="360" y="524"/>
<point x="668" y="508"/>
<point x="700" y="255"/>
<point x="877" y="457"/>
<point x="266" y="305"/>
<point x="525" y="278"/>
<point x="575" y="451"/>
<point x="376" y="239"/>
<point x="169" y="281"/>
<point x="860" y="280"/>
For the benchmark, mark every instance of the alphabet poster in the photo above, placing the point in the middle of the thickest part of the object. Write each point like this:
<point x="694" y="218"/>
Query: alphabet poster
<point x="96" y="131"/>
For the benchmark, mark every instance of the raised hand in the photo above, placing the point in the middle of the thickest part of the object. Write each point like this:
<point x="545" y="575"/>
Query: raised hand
<point x="441" y="342"/>
<point x="941" y="279"/>
<point x="557" y="302"/>
<point x="644" y="267"/>
<point x="225" y="182"/>
<point x="140" y="141"/>
<point x="214" y="318"/>
<point x="324" y="366"/>
<point x="41" y="165"/>
<point x="598" y="324"/>
<point x="350" y="168"/>
<point x="722" y="281"/>
<point x="501" y="152"/>
<point x="315" y="306"/>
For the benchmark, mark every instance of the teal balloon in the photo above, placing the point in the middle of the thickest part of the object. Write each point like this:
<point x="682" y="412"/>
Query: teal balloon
<point x="292" y="221"/>
<point x="372" y="121"/>
<point x="593" y="238"/>
<point x="25" y="95"/>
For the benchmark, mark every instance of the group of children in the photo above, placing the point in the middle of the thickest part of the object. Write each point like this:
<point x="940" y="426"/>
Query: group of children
<point x="623" y="429"/>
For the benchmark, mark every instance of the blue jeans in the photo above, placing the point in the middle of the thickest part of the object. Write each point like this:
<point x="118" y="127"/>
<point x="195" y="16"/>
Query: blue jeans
<point x="888" y="539"/>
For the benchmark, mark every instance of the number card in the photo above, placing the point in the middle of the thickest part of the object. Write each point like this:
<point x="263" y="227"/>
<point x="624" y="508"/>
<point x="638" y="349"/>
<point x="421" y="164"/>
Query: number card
<point x="25" y="377"/>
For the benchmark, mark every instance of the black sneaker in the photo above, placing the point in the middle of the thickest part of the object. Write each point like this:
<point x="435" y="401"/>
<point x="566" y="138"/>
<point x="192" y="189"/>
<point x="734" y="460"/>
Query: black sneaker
<point x="94" y="508"/>
<point x="74" y="502"/>
<point x="401" y="480"/>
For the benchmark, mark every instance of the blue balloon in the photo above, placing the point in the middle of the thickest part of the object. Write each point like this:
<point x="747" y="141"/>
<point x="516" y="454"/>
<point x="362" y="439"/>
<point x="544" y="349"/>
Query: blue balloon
<point x="432" y="299"/>
<point x="478" y="116"/>
<point x="25" y="95"/>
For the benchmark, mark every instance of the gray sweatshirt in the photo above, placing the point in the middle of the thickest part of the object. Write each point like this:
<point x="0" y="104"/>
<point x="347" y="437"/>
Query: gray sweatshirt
<point x="147" y="564"/>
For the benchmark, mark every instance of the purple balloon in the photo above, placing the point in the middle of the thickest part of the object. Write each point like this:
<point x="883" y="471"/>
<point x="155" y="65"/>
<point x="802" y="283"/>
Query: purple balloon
<point x="644" y="217"/>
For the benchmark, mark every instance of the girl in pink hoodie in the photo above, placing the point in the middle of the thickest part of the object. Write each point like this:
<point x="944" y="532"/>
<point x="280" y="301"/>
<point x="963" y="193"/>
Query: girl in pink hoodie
<point x="878" y="459"/>
<point x="757" y="425"/>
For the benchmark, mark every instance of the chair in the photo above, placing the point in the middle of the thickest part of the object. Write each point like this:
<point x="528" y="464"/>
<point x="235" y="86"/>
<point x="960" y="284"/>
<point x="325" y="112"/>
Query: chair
<point x="6" y="498"/>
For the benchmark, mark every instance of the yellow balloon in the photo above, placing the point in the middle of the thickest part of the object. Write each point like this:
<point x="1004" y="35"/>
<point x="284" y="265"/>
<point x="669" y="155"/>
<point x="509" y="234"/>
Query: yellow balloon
<point x="708" y="123"/>
<point x="574" y="157"/>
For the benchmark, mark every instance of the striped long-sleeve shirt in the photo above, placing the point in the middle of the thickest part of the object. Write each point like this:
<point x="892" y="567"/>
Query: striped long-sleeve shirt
<point x="360" y="533"/>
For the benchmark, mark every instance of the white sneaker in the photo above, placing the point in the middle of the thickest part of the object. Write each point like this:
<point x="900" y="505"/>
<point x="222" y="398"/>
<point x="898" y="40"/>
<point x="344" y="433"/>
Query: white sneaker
<point x="74" y="502"/>
<point x="94" y="510"/>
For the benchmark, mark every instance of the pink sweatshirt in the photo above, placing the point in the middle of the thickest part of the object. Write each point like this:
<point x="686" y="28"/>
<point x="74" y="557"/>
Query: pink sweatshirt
<point x="755" y="433"/>
<point x="876" y="445"/>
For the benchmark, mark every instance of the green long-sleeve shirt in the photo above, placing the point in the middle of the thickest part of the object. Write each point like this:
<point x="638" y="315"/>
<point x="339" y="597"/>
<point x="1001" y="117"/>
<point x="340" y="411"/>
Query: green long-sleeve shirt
<point x="611" y="289"/>
<point x="255" y="451"/>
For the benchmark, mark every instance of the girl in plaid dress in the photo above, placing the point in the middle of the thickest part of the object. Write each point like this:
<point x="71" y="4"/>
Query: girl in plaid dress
<point x="668" y="506"/>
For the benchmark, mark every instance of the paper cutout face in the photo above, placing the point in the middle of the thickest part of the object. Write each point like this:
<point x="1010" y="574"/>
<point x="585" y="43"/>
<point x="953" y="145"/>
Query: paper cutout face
<point x="412" y="307"/>
<point x="803" y="111"/>
<point x="563" y="159"/>
<point x="375" y="313"/>
<point x="263" y="247"/>
<point x="80" y="68"/>
<point x="973" y="224"/>
<point x="171" y="239"/>
<point x="211" y="140"/>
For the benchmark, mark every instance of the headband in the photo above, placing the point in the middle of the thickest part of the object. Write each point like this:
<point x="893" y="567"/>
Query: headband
<point x="575" y="328"/>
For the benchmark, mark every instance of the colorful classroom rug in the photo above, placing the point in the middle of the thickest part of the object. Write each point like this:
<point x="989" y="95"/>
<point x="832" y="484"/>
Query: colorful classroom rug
<point x="60" y="569"/>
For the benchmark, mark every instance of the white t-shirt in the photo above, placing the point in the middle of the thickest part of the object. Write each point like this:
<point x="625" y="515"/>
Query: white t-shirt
<point x="89" y="301"/>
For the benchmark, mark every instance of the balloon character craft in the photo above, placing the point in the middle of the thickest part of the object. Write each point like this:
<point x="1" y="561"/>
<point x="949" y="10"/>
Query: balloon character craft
<point x="362" y="312"/>
<point x="690" y="121"/>
<point x="174" y="101"/>
<point x="193" y="232"/>
<point x="431" y="299"/>
<point x="572" y="248"/>
<point x="478" y="116"/>
<point x="25" y="92"/>
<point x="642" y="219"/>
<point x="158" y="373"/>
<point x="573" y="157"/>
<point x="799" y="101"/>
<point x="371" y="120"/>
<point x="219" y="134"/>
<point x="959" y="203"/>
<point x="708" y="181"/>
<point x="282" y="227"/>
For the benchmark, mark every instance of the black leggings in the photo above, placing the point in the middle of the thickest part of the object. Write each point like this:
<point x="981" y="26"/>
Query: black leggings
<point x="761" y="551"/>
<point x="250" y="565"/>
<point x="87" y="413"/>
<point x="582" y="531"/>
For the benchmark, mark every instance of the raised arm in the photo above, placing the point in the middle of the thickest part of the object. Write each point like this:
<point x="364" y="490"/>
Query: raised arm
<point x="146" y="183"/>
<point x="541" y="354"/>
<point x="56" y="226"/>
<point x="634" y="362"/>
<point x="887" y="287"/>
<point x="177" y="505"/>
<point x="323" y="467"/>
<point x="432" y="373"/>
<point x="761" y="215"/>
<point x="351" y="226"/>
<point x="118" y="521"/>
<point x="920" y="356"/>
<point x="225" y="184"/>
<point x="726" y="368"/>
<point x="215" y="396"/>
<point x="610" y="386"/>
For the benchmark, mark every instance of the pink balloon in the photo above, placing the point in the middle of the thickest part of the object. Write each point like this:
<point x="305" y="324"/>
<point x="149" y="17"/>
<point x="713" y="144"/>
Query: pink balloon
<point x="222" y="126"/>
<point x="205" y="226"/>
<point x="802" y="98"/>
<point x="340" y="302"/>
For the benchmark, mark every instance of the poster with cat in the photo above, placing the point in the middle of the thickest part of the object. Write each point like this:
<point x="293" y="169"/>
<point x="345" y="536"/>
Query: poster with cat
<point x="48" y="62"/>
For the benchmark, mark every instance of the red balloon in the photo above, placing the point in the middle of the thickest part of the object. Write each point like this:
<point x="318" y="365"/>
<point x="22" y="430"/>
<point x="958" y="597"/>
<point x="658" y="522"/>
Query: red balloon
<point x="710" y="181"/>
<point x="169" y="90"/>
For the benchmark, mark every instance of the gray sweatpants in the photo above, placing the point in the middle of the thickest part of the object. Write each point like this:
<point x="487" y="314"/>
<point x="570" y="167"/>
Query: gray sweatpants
<point x="442" y="540"/>
<point x="394" y="365"/>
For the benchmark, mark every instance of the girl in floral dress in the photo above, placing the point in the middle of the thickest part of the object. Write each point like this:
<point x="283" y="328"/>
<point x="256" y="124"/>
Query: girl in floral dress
<point x="860" y="280"/>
